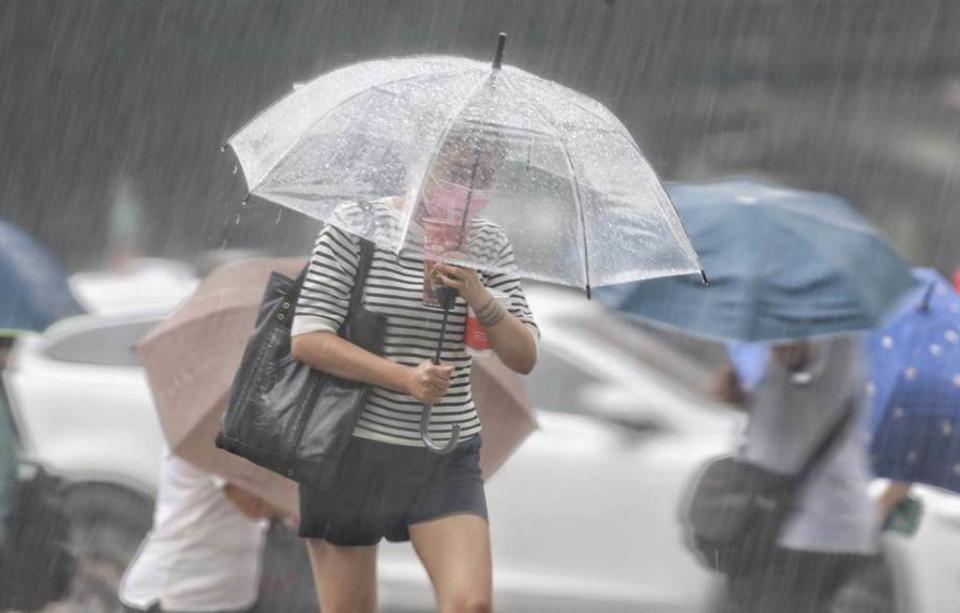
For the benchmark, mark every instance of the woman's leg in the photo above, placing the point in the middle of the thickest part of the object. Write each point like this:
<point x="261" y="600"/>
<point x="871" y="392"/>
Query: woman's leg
<point x="346" y="577"/>
<point x="456" y="553"/>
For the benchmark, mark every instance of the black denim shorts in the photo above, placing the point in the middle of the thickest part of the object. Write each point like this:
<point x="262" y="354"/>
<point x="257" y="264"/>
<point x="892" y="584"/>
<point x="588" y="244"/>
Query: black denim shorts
<point x="381" y="489"/>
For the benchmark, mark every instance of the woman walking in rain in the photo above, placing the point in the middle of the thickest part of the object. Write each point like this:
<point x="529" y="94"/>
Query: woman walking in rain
<point x="389" y="484"/>
<point x="575" y="197"/>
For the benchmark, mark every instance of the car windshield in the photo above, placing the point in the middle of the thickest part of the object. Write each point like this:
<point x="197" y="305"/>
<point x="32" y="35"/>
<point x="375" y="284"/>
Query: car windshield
<point x="111" y="344"/>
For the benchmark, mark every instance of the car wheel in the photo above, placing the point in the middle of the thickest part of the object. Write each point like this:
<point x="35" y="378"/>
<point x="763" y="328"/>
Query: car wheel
<point x="108" y="522"/>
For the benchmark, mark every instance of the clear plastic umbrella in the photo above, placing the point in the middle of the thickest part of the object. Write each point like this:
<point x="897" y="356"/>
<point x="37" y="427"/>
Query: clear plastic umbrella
<point x="560" y="175"/>
<point x="459" y="161"/>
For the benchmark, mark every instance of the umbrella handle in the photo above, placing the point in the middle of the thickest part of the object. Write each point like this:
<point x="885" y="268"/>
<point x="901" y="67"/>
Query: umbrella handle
<point x="447" y="296"/>
<point x="429" y="442"/>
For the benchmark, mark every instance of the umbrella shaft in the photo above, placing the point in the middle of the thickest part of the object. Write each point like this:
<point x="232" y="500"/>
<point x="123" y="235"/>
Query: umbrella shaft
<point x="447" y="297"/>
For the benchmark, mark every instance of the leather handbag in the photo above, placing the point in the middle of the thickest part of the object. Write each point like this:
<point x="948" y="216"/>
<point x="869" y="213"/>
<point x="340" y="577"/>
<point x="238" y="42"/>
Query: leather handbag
<point x="283" y="414"/>
<point x="735" y="510"/>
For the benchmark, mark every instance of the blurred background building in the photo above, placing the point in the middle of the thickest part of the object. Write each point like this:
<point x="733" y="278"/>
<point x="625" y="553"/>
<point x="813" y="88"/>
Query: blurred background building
<point x="106" y="100"/>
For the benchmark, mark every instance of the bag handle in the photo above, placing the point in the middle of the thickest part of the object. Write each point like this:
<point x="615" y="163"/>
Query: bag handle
<point x="292" y="294"/>
<point x="363" y="269"/>
<point x="827" y="442"/>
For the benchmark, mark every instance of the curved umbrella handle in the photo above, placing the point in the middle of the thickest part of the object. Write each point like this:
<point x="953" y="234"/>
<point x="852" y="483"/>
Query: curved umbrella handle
<point x="429" y="442"/>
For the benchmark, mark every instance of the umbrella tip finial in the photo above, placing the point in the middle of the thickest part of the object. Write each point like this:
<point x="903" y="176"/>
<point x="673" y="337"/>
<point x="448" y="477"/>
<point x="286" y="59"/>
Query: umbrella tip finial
<point x="589" y="292"/>
<point x="703" y="277"/>
<point x="498" y="56"/>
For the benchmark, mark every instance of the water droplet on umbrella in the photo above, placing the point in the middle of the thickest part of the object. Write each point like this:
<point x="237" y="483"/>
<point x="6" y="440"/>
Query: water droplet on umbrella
<point x="910" y="373"/>
<point x="936" y="349"/>
<point x="912" y="457"/>
<point x="279" y="214"/>
<point x="946" y="427"/>
<point x="951" y="336"/>
<point x="898" y="413"/>
<point x="871" y="388"/>
<point x="887" y="342"/>
<point x="236" y="221"/>
<point x="235" y="169"/>
<point x="956" y="380"/>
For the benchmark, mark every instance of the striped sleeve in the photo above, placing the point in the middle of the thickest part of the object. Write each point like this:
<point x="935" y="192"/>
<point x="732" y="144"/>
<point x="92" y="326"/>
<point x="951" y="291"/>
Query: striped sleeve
<point x="325" y="297"/>
<point x="508" y="282"/>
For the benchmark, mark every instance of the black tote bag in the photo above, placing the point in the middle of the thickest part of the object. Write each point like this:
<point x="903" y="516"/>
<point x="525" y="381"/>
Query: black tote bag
<point x="283" y="414"/>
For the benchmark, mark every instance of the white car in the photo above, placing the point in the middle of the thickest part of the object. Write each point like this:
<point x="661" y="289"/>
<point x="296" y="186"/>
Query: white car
<point x="583" y="517"/>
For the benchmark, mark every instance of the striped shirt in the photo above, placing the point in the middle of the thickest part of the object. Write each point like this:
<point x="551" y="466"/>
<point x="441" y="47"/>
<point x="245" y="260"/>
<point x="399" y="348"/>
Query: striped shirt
<point x="394" y="288"/>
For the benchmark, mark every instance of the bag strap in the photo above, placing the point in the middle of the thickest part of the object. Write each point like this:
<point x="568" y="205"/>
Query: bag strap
<point x="363" y="269"/>
<point x="827" y="442"/>
<point x="356" y="293"/>
<point x="292" y="295"/>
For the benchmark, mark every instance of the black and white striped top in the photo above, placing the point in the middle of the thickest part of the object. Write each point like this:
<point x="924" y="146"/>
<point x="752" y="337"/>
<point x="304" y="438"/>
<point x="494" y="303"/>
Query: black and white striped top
<point x="395" y="288"/>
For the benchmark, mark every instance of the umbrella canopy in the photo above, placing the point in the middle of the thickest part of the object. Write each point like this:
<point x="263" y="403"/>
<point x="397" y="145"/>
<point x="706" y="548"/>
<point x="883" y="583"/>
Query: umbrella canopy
<point x="191" y="358"/>
<point x="477" y="146"/>
<point x="782" y="264"/>
<point x="915" y="387"/>
<point x="34" y="291"/>
<point x="504" y="409"/>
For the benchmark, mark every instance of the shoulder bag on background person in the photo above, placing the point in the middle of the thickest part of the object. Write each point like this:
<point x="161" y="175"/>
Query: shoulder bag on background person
<point x="736" y="509"/>
<point x="283" y="414"/>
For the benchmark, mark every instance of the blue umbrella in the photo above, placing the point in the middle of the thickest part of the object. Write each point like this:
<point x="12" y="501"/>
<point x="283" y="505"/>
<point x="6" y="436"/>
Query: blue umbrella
<point x="33" y="287"/>
<point x="782" y="264"/>
<point x="915" y="387"/>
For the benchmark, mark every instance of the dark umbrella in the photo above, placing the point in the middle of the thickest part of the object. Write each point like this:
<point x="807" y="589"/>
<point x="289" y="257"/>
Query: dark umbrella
<point x="782" y="264"/>
<point x="34" y="291"/>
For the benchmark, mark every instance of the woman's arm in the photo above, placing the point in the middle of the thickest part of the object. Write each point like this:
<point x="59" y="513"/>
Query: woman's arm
<point x="329" y="353"/>
<point x="510" y="338"/>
